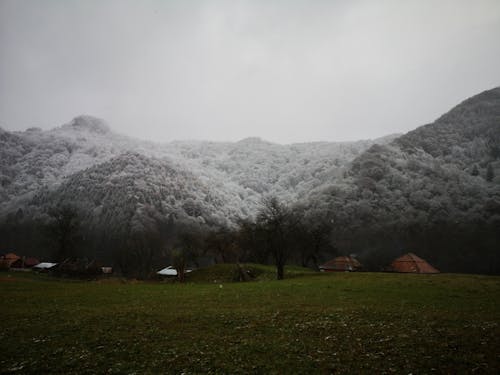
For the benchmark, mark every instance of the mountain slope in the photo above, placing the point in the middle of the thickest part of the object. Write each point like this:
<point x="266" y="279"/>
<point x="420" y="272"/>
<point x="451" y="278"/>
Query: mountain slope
<point x="429" y="189"/>
<point x="435" y="189"/>
<point x="242" y="172"/>
<point x="120" y="190"/>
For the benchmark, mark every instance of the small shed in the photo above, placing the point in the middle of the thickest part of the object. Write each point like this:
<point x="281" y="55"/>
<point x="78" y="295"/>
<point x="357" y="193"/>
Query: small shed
<point x="169" y="271"/>
<point x="44" y="266"/>
<point x="341" y="264"/>
<point x="410" y="263"/>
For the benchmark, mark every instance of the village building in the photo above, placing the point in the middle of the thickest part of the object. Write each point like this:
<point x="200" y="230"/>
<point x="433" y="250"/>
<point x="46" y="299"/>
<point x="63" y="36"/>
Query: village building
<point x="44" y="266"/>
<point x="170" y="271"/>
<point x="410" y="263"/>
<point x="341" y="264"/>
<point x="7" y="260"/>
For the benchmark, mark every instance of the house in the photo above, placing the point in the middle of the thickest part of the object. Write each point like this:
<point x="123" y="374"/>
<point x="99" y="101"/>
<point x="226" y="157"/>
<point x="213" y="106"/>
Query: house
<point x="341" y="264"/>
<point x="410" y="263"/>
<point x="10" y="258"/>
<point x="7" y="260"/>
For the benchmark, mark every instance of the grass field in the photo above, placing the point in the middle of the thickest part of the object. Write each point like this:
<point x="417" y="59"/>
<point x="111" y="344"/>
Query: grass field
<point x="334" y="323"/>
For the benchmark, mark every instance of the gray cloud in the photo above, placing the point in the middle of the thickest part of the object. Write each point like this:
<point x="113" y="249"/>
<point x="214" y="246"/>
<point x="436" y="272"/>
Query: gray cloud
<point x="287" y="71"/>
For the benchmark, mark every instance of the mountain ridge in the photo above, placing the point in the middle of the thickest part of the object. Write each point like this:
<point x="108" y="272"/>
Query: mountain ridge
<point x="444" y="173"/>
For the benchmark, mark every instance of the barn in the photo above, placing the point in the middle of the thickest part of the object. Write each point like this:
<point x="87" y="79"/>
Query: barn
<point x="341" y="264"/>
<point x="410" y="263"/>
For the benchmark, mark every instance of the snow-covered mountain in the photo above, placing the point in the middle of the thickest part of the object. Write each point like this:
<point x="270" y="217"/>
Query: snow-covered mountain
<point x="436" y="188"/>
<point x="447" y="170"/>
<point x="224" y="181"/>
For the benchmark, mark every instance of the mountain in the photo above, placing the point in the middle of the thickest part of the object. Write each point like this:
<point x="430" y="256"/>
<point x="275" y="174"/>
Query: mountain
<point x="435" y="189"/>
<point x="131" y="187"/>
<point x="39" y="163"/>
<point x="469" y="133"/>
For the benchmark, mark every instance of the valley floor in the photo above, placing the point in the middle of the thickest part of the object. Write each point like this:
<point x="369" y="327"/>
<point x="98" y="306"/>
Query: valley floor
<point x="333" y="323"/>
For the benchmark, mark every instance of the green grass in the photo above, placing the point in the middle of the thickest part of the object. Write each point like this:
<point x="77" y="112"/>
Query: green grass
<point x="226" y="273"/>
<point x="331" y="323"/>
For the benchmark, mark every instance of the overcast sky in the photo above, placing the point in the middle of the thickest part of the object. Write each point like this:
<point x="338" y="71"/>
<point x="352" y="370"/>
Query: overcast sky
<point x="286" y="71"/>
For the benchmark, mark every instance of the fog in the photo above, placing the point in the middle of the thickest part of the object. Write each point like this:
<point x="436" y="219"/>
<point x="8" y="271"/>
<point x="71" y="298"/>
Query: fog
<point x="286" y="71"/>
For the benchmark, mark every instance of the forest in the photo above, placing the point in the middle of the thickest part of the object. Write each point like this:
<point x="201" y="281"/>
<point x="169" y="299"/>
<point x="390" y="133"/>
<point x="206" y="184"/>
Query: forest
<point x="82" y="191"/>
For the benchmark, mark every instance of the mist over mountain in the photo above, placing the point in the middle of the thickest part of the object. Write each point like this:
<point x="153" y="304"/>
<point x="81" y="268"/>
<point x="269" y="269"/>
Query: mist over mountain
<point x="437" y="180"/>
<point x="85" y="151"/>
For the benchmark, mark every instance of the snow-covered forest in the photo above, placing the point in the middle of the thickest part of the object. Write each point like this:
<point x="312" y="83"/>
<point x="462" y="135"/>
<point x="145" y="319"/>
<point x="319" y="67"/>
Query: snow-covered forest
<point x="435" y="190"/>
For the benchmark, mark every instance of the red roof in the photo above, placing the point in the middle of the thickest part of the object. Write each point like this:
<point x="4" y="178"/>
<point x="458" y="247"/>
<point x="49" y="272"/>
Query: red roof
<point x="410" y="263"/>
<point x="343" y="263"/>
<point x="9" y="258"/>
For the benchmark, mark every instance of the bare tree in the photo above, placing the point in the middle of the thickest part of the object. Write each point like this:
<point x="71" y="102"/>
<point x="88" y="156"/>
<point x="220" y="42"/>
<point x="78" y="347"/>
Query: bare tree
<point x="276" y="222"/>
<point x="312" y="241"/>
<point x="180" y="261"/>
<point x="251" y="242"/>
<point x="186" y="250"/>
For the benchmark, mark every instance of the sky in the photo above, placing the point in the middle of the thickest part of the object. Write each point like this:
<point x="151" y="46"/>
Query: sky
<point x="283" y="70"/>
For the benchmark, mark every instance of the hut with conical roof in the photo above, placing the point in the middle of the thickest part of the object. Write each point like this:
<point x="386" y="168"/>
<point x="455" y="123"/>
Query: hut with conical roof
<point x="341" y="264"/>
<point x="410" y="263"/>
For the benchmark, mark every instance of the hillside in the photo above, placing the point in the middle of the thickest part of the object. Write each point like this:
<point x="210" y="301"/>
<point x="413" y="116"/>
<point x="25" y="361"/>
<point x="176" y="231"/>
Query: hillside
<point x="435" y="189"/>
<point x="432" y="183"/>
<point x="38" y="162"/>
<point x="125" y="188"/>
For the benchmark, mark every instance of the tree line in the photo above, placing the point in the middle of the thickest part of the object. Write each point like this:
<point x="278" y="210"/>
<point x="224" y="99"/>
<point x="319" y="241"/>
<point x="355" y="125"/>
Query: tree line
<point x="280" y="234"/>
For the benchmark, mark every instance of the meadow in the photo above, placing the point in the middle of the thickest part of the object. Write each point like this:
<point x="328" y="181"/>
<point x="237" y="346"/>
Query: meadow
<point x="307" y="323"/>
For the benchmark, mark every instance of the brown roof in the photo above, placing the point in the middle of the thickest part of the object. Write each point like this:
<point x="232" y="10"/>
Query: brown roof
<point x="12" y="256"/>
<point x="9" y="258"/>
<point x="343" y="263"/>
<point x="410" y="263"/>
